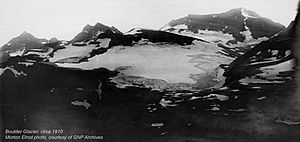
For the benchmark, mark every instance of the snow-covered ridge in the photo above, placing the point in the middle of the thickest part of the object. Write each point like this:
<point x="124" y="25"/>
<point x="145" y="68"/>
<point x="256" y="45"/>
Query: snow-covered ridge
<point x="234" y="30"/>
<point x="207" y="35"/>
<point x="216" y="36"/>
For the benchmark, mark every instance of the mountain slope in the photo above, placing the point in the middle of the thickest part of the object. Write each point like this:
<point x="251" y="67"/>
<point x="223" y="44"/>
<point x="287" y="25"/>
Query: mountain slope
<point x="270" y="61"/>
<point x="23" y="43"/>
<point x="236" y="25"/>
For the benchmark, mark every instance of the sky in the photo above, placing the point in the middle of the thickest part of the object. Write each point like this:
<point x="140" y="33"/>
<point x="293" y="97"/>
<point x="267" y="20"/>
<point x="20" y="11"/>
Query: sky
<point x="64" y="19"/>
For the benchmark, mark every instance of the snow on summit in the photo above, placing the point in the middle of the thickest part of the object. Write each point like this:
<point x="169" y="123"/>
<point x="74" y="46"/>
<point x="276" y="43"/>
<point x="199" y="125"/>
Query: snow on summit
<point x="249" y="14"/>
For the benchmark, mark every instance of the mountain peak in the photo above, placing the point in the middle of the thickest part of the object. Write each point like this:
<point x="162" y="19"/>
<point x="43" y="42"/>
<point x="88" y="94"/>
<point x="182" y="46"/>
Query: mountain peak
<point x="53" y="39"/>
<point x="99" y="24"/>
<point x="89" y="32"/>
<point x="26" y="34"/>
<point x="240" y="24"/>
<point x="23" y="42"/>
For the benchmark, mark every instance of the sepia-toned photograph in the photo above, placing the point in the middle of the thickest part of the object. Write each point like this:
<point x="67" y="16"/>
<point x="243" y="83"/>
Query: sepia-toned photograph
<point x="149" y="71"/>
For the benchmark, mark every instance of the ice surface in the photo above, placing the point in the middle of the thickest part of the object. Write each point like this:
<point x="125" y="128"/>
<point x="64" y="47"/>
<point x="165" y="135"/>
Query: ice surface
<point x="74" y="51"/>
<point x="171" y="63"/>
<point x="104" y="43"/>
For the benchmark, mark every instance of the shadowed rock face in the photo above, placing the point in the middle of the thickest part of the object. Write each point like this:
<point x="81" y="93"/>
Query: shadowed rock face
<point x="89" y="32"/>
<point x="232" y="22"/>
<point x="24" y="42"/>
<point x="275" y="51"/>
<point x="296" y="51"/>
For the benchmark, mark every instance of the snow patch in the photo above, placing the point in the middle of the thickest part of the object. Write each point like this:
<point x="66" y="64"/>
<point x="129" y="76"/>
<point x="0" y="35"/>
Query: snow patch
<point x="80" y="103"/>
<point x="246" y="14"/>
<point x="272" y="72"/>
<point x="181" y="26"/>
<point x="253" y="79"/>
<point x="215" y="108"/>
<point x="238" y="110"/>
<point x="249" y="40"/>
<point x="18" y="53"/>
<point x="208" y="35"/>
<point x="235" y="90"/>
<point x="194" y="98"/>
<point x="256" y="87"/>
<point x="261" y="98"/>
<point x="14" y="71"/>
<point x="217" y="96"/>
<point x="166" y="103"/>
<point x="40" y="54"/>
<point x="133" y="31"/>
<point x="214" y="36"/>
<point x="224" y="88"/>
<point x="26" y="63"/>
<point x="157" y="124"/>
<point x="287" y="121"/>
<point x="274" y="52"/>
<point x="80" y="89"/>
